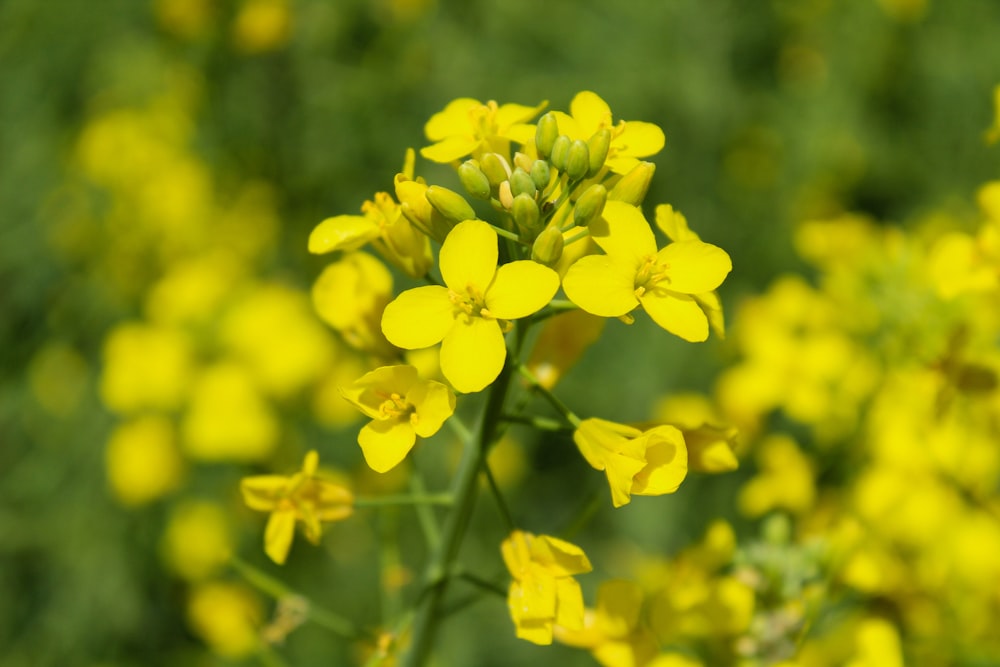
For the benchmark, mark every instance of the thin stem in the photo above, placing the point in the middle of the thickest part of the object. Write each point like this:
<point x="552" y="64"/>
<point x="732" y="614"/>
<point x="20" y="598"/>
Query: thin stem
<point x="555" y="307"/>
<point x="511" y="236"/>
<point x="580" y="235"/>
<point x="425" y="513"/>
<point x="539" y="423"/>
<point x="498" y="496"/>
<point x="484" y="584"/>
<point x="583" y="515"/>
<point x="401" y="500"/>
<point x="553" y="400"/>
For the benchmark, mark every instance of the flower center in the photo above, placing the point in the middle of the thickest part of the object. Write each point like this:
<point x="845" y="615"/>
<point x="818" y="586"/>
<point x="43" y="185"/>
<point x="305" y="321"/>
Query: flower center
<point x="393" y="406"/>
<point x="649" y="274"/>
<point x="471" y="302"/>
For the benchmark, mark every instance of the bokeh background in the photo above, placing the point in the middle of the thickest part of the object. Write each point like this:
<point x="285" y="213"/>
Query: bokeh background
<point x="162" y="164"/>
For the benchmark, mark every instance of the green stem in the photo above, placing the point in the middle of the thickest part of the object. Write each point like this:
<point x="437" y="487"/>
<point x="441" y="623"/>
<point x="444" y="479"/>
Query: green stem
<point x="501" y="503"/>
<point x="539" y="423"/>
<point x="511" y="236"/>
<point x="436" y="578"/>
<point x="399" y="500"/>
<point x="425" y="513"/>
<point x="484" y="584"/>
<point x="553" y="400"/>
<point x="555" y="307"/>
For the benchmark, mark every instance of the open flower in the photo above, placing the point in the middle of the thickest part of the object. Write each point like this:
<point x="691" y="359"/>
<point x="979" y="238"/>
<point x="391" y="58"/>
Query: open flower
<point x="633" y="272"/>
<point x="467" y="316"/>
<point x="613" y="630"/>
<point x="646" y="463"/>
<point x="402" y="406"/>
<point x="630" y="140"/>
<point x="468" y="127"/>
<point x="543" y="592"/>
<point x="299" y="497"/>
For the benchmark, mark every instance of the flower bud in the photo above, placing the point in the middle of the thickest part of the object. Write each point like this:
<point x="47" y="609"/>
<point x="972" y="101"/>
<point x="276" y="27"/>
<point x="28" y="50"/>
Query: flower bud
<point x="505" y="196"/>
<point x="633" y="186"/>
<point x="450" y="204"/>
<point x="560" y="149"/>
<point x="545" y="134"/>
<point x="598" y="145"/>
<point x="521" y="183"/>
<point x="523" y="161"/>
<point x="526" y="213"/>
<point x="474" y="180"/>
<point x="540" y="174"/>
<point x="577" y="160"/>
<point x="548" y="247"/>
<point x="495" y="167"/>
<point x="590" y="205"/>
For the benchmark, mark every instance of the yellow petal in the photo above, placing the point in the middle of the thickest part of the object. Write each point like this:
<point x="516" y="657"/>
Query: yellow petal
<point x="450" y="149"/>
<point x="473" y="353"/>
<point x="343" y="232"/>
<point x="674" y="224"/>
<point x="510" y="114"/>
<point x="262" y="492"/>
<point x="559" y="557"/>
<point x="601" y="286"/>
<point x="433" y="403"/>
<point x="694" y="267"/>
<point x="537" y="596"/>
<point x="639" y="139"/>
<point x="677" y="313"/>
<point x="419" y="317"/>
<point x="619" y="603"/>
<point x="516" y="552"/>
<point x="278" y="535"/>
<point x="469" y="257"/>
<point x="332" y="501"/>
<point x="624" y="233"/>
<point x="590" y="112"/>
<point x="568" y="126"/>
<point x="369" y="391"/>
<point x="454" y="119"/>
<point x="520" y="289"/>
<point x="569" y="609"/>
<point x="620" y="471"/>
<point x="386" y="443"/>
<point x="666" y="463"/>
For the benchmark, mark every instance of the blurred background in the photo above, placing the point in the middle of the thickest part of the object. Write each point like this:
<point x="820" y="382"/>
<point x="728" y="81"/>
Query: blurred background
<point x="162" y="164"/>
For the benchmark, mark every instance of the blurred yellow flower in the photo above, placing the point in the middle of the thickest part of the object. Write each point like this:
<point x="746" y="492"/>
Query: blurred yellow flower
<point x="543" y="592"/>
<point x="402" y="406"/>
<point x="613" y="631"/>
<point x="785" y="479"/>
<point x="303" y="497"/>
<point x="142" y="460"/>
<point x="145" y="367"/>
<point x="227" y="617"/>
<point x="467" y="316"/>
<point x="350" y="295"/>
<point x="262" y="25"/>
<point x="197" y="541"/>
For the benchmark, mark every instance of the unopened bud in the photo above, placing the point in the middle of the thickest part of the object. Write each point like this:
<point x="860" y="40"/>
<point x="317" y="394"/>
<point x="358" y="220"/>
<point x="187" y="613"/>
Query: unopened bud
<point x="540" y="174"/>
<point x="545" y="134"/>
<point x="526" y="213"/>
<point x="505" y="196"/>
<point x="495" y="167"/>
<point x="633" y="186"/>
<point x="577" y="160"/>
<point x="560" y="150"/>
<point x="450" y="204"/>
<point x="523" y="161"/>
<point x="548" y="247"/>
<point x="474" y="180"/>
<point x="598" y="145"/>
<point x="590" y="205"/>
<point x="521" y="183"/>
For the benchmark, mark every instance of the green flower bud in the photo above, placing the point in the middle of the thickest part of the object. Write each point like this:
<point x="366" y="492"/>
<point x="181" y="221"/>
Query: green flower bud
<point x="590" y="205"/>
<point x="474" y="180"/>
<point x="633" y="186"/>
<point x="560" y="149"/>
<point x="540" y="174"/>
<point x="521" y="183"/>
<point x="450" y="204"/>
<point x="526" y="213"/>
<point x="495" y="167"/>
<point x="598" y="145"/>
<point x="545" y="134"/>
<point x="577" y="160"/>
<point x="523" y="161"/>
<point x="548" y="247"/>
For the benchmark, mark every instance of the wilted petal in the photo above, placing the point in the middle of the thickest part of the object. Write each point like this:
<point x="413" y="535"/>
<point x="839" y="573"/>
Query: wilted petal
<point x="419" y="317"/>
<point x="473" y="353"/>
<point x="520" y="289"/>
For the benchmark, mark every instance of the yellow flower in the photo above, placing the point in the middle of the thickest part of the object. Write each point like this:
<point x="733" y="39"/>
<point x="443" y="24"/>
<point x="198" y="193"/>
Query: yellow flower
<point x="543" y="592"/>
<point x="629" y="140"/>
<point x="466" y="315"/>
<point x="467" y="126"/>
<point x="612" y="631"/>
<point x="402" y="406"/>
<point x="633" y="272"/>
<point x="350" y="296"/>
<point x="300" y="497"/>
<point x="382" y="224"/>
<point x="647" y="463"/>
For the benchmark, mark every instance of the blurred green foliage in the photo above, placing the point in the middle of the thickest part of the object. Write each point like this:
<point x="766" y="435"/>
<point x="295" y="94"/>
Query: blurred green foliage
<point x="774" y="113"/>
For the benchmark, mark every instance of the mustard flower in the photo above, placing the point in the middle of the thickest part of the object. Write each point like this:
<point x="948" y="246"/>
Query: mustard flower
<point x="299" y="497"/>
<point x="646" y="463"/>
<point x="402" y="406"/>
<point x="468" y="127"/>
<point x="634" y="272"/>
<point x="629" y="140"/>
<point x="613" y="630"/>
<point x="468" y="315"/>
<point x="543" y="592"/>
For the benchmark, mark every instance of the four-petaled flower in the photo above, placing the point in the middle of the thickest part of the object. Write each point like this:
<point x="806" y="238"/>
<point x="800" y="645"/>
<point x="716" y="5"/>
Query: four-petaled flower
<point x="469" y="127"/>
<point x="402" y="406"/>
<point x="631" y="140"/>
<point x="543" y="592"/>
<point x="634" y="272"/>
<point x="299" y="497"/>
<point x="646" y="463"/>
<point x="467" y="316"/>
